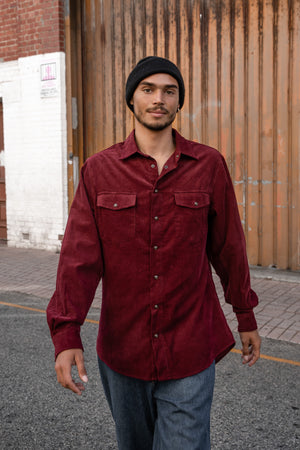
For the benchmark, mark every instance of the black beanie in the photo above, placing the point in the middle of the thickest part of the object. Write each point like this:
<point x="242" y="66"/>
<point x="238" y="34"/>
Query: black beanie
<point x="149" y="66"/>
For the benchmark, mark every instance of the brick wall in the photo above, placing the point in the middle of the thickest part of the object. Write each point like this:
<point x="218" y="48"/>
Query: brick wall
<point x="34" y="112"/>
<point x="35" y="152"/>
<point x="30" y="27"/>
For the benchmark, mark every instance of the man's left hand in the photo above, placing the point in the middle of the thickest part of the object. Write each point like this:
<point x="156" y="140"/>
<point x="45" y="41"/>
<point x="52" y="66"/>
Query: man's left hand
<point x="251" y="347"/>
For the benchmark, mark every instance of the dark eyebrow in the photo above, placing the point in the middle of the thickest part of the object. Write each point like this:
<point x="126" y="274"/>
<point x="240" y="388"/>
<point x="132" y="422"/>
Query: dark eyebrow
<point x="167" y="86"/>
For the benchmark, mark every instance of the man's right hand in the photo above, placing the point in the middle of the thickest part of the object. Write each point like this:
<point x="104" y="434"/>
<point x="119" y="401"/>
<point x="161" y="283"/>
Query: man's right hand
<point x="63" y="367"/>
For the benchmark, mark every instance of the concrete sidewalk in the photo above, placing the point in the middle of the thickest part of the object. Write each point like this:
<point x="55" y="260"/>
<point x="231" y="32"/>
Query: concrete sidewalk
<point x="278" y="313"/>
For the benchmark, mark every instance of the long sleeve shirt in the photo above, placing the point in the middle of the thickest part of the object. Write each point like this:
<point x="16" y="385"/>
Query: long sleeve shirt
<point x="152" y="238"/>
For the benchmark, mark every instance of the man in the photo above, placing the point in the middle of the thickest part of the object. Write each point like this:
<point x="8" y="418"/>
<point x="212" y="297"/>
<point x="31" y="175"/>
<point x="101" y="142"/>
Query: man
<point x="149" y="216"/>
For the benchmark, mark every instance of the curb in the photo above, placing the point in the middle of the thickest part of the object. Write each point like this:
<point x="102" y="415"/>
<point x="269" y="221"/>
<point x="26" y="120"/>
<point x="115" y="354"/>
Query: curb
<point x="274" y="274"/>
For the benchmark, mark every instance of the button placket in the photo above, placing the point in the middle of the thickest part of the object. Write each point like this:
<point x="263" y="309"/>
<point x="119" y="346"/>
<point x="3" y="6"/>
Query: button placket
<point x="156" y="283"/>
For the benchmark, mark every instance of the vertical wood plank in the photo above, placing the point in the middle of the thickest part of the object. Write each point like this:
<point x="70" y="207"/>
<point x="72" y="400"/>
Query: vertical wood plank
<point x="212" y="83"/>
<point x="253" y="144"/>
<point x="160" y="28"/>
<point x="185" y="67"/>
<point x="150" y="31"/>
<point x="128" y="56"/>
<point x="239" y="174"/>
<point x="294" y="232"/>
<point x="69" y="110"/>
<point x="267" y="180"/>
<point x="119" y="114"/>
<point x="176" y="38"/>
<point x="196" y="114"/>
<point x="225" y="116"/>
<point x="108" y="74"/>
<point x="204" y="29"/>
<point x="79" y="83"/>
<point x="282" y="136"/>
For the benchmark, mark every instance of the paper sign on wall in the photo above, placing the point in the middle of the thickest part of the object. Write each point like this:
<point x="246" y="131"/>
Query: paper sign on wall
<point x="49" y="86"/>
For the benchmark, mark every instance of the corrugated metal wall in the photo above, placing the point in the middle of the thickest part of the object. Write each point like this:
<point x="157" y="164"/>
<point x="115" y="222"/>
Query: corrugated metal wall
<point x="241" y="64"/>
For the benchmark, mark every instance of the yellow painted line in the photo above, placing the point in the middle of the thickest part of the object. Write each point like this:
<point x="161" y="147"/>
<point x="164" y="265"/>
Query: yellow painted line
<point x="14" y="305"/>
<point x="234" y="350"/>
<point x="92" y="321"/>
<point x="272" y="358"/>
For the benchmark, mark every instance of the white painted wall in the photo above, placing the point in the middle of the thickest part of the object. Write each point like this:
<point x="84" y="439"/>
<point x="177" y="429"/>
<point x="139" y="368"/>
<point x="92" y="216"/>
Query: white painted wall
<point x="35" y="142"/>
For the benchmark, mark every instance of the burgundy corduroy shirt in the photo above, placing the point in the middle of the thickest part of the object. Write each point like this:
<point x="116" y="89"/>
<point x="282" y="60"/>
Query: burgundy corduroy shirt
<point x="151" y="238"/>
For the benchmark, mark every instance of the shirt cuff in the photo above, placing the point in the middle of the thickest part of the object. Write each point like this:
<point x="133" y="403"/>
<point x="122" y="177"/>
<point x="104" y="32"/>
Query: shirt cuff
<point x="67" y="339"/>
<point x="246" y="321"/>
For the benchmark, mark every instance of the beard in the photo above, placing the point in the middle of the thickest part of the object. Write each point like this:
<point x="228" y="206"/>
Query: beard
<point x="164" y="122"/>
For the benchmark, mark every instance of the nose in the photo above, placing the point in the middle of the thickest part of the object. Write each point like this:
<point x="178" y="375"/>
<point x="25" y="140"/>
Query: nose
<point x="158" y="97"/>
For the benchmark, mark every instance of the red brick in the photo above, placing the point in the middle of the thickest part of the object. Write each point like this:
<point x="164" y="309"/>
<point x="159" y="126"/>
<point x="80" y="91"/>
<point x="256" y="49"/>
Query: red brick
<point x="31" y="27"/>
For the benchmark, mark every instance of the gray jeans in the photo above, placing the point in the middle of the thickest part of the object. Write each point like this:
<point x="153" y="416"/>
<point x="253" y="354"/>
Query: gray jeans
<point x="160" y="415"/>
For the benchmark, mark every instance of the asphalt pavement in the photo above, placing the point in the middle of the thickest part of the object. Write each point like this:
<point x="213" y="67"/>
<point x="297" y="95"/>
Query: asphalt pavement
<point x="253" y="408"/>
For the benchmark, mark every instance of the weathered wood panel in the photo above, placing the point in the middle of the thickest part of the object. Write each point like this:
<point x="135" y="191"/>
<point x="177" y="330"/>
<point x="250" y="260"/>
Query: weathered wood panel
<point x="241" y="64"/>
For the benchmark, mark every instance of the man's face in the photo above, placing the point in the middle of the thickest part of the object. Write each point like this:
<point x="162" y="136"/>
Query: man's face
<point x="155" y="101"/>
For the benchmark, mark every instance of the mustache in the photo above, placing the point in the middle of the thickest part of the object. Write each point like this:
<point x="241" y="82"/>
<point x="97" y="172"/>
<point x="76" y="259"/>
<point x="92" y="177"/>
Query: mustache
<point x="158" y="108"/>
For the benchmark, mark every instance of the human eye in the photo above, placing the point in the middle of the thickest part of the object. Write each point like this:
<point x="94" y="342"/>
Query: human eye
<point x="170" y="91"/>
<point x="147" y="90"/>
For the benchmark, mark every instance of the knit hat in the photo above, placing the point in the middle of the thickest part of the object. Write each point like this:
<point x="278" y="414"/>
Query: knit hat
<point x="149" y="66"/>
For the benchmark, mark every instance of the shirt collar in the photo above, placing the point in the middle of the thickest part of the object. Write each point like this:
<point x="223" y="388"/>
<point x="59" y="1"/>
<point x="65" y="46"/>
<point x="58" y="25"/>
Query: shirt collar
<point x="183" y="146"/>
<point x="128" y="147"/>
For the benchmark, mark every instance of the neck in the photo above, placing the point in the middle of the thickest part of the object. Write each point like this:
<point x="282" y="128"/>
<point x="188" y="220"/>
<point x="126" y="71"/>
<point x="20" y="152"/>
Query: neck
<point x="154" y="143"/>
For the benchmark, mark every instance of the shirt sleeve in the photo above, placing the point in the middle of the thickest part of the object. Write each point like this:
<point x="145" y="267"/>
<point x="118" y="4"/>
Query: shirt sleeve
<point x="79" y="271"/>
<point x="227" y="249"/>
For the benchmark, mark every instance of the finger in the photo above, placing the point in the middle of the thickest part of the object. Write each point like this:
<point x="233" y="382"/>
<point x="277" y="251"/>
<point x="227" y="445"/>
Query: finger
<point x="77" y="388"/>
<point x="246" y="347"/>
<point x="255" y="355"/>
<point x="64" y="378"/>
<point x="80" y="386"/>
<point x="246" y="351"/>
<point x="247" y="358"/>
<point x="68" y="383"/>
<point x="252" y="357"/>
<point x="255" y="350"/>
<point x="81" y="367"/>
<point x="253" y="361"/>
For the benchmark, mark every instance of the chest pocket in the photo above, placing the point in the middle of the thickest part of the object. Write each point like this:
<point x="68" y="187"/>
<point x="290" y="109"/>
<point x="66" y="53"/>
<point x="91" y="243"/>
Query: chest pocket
<point x="191" y="216"/>
<point x="116" y="216"/>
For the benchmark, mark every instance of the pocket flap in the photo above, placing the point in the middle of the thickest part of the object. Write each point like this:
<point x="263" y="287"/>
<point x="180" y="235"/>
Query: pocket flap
<point x="116" y="201"/>
<point x="192" y="199"/>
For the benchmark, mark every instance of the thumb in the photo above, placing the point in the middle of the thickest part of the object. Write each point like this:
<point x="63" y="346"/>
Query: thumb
<point x="81" y="367"/>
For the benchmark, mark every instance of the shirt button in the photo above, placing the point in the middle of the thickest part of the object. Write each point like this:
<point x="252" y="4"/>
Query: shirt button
<point x="155" y="247"/>
<point x="177" y="156"/>
<point x="156" y="335"/>
<point x="156" y="191"/>
<point x="156" y="306"/>
<point x="156" y="218"/>
<point x="155" y="277"/>
<point x="166" y="166"/>
<point x="115" y="205"/>
<point x="153" y="166"/>
<point x="196" y="203"/>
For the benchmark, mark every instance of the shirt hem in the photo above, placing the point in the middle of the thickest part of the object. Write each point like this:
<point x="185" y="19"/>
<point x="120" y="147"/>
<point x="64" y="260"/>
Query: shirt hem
<point x="220" y="355"/>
